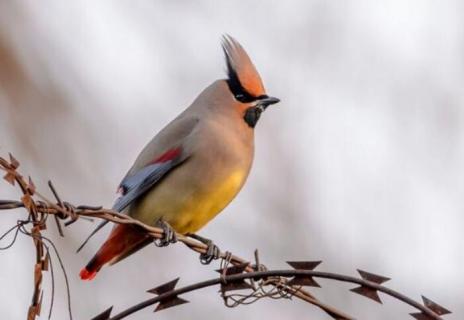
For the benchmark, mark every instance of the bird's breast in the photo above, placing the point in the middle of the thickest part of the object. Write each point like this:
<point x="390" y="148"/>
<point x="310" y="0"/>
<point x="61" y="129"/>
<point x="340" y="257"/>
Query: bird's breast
<point x="196" y="191"/>
<point x="205" y="204"/>
<point x="187" y="202"/>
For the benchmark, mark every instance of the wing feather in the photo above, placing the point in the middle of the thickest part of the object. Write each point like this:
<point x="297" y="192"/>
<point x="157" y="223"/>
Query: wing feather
<point x="135" y="185"/>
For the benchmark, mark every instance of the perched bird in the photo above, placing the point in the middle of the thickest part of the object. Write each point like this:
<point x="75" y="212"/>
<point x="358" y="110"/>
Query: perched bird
<point x="195" y="166"/>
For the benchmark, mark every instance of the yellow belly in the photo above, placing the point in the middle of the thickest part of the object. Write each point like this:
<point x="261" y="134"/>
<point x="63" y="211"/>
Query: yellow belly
<point x="189" y="207"/>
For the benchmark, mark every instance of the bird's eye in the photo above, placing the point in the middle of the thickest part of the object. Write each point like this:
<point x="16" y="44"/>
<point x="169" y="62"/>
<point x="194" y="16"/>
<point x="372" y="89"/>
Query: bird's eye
<point x="239" y="96"/>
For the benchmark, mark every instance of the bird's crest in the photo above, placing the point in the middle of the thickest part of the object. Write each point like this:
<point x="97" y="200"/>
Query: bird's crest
<point x="243" y="78"/>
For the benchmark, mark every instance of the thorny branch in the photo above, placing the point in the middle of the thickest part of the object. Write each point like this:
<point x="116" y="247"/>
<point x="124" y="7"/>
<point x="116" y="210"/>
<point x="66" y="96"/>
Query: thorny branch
<point x="37" y="220"/>
<point x="232" y="278"/>
<point x="168" y="297"/>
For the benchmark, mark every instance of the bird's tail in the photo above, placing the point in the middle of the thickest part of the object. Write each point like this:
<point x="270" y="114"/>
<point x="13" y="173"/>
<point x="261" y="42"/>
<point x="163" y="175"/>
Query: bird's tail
<point x="122" y="241"/>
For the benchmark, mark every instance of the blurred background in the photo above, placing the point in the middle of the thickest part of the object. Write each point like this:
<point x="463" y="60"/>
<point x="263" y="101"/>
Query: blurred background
<point x="361" y="165"/>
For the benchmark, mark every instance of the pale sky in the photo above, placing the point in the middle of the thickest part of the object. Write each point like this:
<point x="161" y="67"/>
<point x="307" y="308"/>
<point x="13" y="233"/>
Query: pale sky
<point x="361" y="165"/>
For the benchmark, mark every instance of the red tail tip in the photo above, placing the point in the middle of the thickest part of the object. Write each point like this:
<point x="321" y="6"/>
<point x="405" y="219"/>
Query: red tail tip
<point x="87" y="275"/>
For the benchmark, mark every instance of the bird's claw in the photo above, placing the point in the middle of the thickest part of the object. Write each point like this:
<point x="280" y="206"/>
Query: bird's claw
<point x="169" y="234"/>
<point x="212" y="252"/>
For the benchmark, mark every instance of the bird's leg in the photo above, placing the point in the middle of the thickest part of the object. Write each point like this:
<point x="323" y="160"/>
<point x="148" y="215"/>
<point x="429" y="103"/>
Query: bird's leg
<point x="169" y="234"/>
<point x="212" y="252"/>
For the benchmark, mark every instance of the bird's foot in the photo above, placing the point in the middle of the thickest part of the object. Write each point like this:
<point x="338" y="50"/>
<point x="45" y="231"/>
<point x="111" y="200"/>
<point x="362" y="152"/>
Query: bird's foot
<point x="169" y="235"/>
<point x="212" y="251"/>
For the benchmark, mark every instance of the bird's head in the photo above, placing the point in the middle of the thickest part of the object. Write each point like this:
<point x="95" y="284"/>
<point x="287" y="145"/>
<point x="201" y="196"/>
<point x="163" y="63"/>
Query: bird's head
<point x="244" y="82"/>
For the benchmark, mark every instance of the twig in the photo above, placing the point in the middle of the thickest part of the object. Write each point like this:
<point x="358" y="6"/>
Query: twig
<point x="60" y="203"/>
<point x="39" y="211"/>
<point x="169" y="296"/>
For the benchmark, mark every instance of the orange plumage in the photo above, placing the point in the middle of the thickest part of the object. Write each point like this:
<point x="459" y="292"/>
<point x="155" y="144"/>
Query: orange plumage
<point x="241" y="64"/>
<point x="122" y="240"/>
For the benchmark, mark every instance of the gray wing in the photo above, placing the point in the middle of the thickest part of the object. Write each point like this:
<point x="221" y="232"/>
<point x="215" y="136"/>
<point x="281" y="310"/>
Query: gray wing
<point x="137" y="184"/>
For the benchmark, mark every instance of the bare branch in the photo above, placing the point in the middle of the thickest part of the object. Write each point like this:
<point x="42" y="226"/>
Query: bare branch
<point x="241" y="276"/>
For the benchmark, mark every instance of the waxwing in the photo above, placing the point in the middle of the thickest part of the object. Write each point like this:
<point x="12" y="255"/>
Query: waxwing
<point x="195" y="166"/>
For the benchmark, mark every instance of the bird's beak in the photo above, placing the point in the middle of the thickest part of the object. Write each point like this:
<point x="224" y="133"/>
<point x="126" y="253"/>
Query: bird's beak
<point x="267" y="101"/>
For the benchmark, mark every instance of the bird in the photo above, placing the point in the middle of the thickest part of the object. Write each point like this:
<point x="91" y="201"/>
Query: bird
<point x="195" y="166"/>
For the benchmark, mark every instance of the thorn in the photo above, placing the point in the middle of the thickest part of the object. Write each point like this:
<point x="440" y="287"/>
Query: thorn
<point x="235" y="285"/>
<point x="420" y="316"/>
<point x="169" y="303"/>
<point x="240" y="268"/>
<point x="367" y="292"/>
<point x="168" y="286"/>
<point x="105" y="315"/>
<point x="303" y="281"/>
<point x="435" y="307"/>
<point x="372" y="277"/>
<point x="257" y="259"/>
<point x="13" y="162"/>
<point x="27" y="200"/>
<point x="58" y="226"/>
<point x="10" y="177"/>
<point x="31" y="186"/>
<point x="337" y="316"/>
<point x="304" y="265"/>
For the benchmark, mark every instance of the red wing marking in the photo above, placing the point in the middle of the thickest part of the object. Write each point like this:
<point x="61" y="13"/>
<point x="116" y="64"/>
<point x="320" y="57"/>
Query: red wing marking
<point x="168" y="155"/>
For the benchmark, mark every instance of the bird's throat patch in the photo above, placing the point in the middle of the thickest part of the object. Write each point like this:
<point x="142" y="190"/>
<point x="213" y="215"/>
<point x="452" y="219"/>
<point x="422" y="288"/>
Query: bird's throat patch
<point x="252" y="115"/>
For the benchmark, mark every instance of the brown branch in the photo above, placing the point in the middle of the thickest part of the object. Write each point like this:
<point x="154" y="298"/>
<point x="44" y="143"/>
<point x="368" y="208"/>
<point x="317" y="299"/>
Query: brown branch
<point x="65" y="210"/>
<point x="37" y="219"/>
<point x="157" y="233"/>
<point x="169" y="295"/>
<point x="40" y="209"/>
